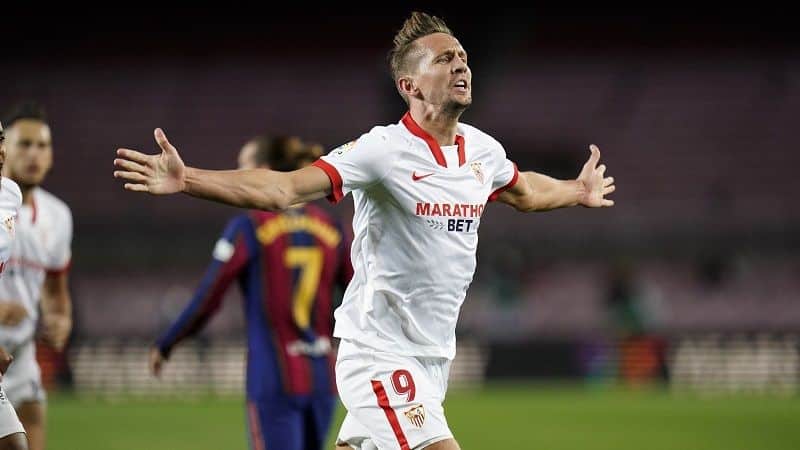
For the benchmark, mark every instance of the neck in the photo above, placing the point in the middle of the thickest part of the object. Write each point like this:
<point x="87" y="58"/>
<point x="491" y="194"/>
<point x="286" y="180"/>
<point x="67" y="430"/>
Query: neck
<point x="437" y="121"/>
<point x="27" y="194"/>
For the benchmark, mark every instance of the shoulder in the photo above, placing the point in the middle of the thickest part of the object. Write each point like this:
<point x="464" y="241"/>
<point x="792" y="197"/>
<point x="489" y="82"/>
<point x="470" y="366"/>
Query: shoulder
<point x="10" y="197"/>
<point x="377" y="138"/>
<point x="46" y="201"/>
<point x="473" y="135"/>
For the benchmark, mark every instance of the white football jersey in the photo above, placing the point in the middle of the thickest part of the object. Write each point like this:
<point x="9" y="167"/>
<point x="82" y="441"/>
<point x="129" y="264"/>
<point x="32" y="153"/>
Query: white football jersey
<point x="418" y="208"/>
<point x="10" y="201"/>
<point x="42" y="244"/>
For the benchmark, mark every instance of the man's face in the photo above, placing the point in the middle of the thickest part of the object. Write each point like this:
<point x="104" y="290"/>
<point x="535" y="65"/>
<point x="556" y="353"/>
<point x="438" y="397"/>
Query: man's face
<point x="247" y="156"/>
<point x="29" y="152"/>
<point x="442" y="75"/>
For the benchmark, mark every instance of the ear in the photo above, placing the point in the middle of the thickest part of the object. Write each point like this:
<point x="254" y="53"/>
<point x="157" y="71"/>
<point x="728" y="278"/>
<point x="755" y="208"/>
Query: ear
<point x="407" y="87"/>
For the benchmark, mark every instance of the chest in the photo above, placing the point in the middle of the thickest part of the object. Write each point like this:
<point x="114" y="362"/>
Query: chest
<point x="416" y="178"/>
<point x="33" y="237"/>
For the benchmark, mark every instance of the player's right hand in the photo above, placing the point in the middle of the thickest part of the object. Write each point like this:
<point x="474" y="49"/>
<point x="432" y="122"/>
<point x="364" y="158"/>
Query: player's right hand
<point x="12" y="313"/>
<point x="156" y="362"/>
<point x="155" y="174"/>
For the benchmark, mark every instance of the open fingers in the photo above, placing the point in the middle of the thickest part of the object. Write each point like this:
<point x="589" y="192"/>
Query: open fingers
<point x="130" y="176"/>
<point x="163" y="142"/>
<point x="601" y="170"/>
<point x="133" y="155"/>
<point x="131" y="166"/>
<point x="136" y="187"/>
<point x="594" y="157"/>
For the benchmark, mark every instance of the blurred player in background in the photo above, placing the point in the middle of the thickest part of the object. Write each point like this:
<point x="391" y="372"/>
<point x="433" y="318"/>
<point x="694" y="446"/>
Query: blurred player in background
<point x="12" y="434"/>
<point x="288" y="265"/>
<point x="36" y="275"/>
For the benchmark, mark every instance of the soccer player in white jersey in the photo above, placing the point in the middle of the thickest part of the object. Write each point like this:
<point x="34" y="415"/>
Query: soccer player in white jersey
<point x="12" y="434"/>
<point x="36" y="274"/>
<point x="419" y="187"/>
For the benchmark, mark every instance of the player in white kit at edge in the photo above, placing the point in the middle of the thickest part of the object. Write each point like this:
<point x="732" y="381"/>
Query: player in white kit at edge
<point x="419" y="188"/>
<point x="36" y="274"/>
<point x="12" y="434"/>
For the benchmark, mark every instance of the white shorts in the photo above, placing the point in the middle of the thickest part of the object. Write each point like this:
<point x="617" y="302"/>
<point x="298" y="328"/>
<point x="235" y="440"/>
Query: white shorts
<point x="393" y="402"/>
<point x="9" y="422"/>
<point x="23" y="381"/>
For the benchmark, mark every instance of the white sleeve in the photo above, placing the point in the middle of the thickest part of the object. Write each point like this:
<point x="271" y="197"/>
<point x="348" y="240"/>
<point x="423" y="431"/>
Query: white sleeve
<point x="357" y="165"/>
<point x="505" y="176"/>
<point x="61" y="251"/>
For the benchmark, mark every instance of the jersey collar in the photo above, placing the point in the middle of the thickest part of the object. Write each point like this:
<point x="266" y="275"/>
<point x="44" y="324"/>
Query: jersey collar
<point x="436" y="150"/>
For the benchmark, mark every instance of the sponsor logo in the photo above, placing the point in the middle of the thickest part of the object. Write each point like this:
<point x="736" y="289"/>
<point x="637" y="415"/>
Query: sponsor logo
<point x="319" y="347"/>
<point x="416" y="177"/>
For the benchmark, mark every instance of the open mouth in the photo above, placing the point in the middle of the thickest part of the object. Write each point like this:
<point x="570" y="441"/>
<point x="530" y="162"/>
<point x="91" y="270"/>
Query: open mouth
<point x="461" y="86"/>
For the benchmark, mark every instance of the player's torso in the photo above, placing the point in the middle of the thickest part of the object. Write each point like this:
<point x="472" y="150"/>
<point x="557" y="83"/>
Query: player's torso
<point x="426" y="216"/>
<point x="415" y="244"/>
<point x="298" y="257"/>
<point x="36" y="233"/>
<point x="290" y="299"/>
<point x="10" y="200"/>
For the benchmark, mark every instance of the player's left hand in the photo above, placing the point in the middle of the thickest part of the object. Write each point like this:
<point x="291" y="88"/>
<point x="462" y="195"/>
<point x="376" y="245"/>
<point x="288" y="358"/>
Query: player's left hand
<point x="57" y="330"/>
<point x="595" y="184"/>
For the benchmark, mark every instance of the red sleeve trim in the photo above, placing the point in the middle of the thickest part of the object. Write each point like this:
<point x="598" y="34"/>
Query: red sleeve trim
<point x="508" y="185"/>
<point x="336" y="180"/>
<point x="60" y="271"/>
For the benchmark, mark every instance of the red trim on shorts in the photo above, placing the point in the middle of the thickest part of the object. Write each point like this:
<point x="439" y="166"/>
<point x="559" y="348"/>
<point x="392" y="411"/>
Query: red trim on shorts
<point x="383" y="402"/>
<point x="508" y="185"/>
<point x="255" y="428"/>
<point x="417" y="131"/>
<point x="336" y="180"/>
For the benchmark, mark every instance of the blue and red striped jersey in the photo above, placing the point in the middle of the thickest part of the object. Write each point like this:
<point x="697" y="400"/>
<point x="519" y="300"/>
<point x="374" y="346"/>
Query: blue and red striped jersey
<point x="288" y="266"/>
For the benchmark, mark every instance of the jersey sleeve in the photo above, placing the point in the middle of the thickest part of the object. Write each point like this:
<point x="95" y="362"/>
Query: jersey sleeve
<point x="60" y="255"/>
<point x="506" y="174"/>
<point x="230" y="256"/>
<point x="357" y="164"/>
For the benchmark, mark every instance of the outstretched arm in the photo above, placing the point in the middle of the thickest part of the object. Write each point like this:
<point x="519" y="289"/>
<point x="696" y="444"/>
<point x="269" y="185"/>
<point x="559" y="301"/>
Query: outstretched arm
<point x="253" y="188"/>
<point x="536" y="192"/>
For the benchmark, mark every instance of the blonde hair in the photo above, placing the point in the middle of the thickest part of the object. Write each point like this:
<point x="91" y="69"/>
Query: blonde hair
<point x="418" y="25"/>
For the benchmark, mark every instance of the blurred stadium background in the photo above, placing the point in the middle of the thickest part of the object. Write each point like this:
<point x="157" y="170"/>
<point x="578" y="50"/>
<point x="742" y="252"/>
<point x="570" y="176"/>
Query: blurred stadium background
<point x="669" y="321"/>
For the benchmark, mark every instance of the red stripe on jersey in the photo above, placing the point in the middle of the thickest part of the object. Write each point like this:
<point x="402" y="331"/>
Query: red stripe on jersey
<point x="336" y="180"/>
<point x="256" y="436"/>
<point x="383" y="402"/>
<point x="508" y="185"/>
<point x="433" y="145"/>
